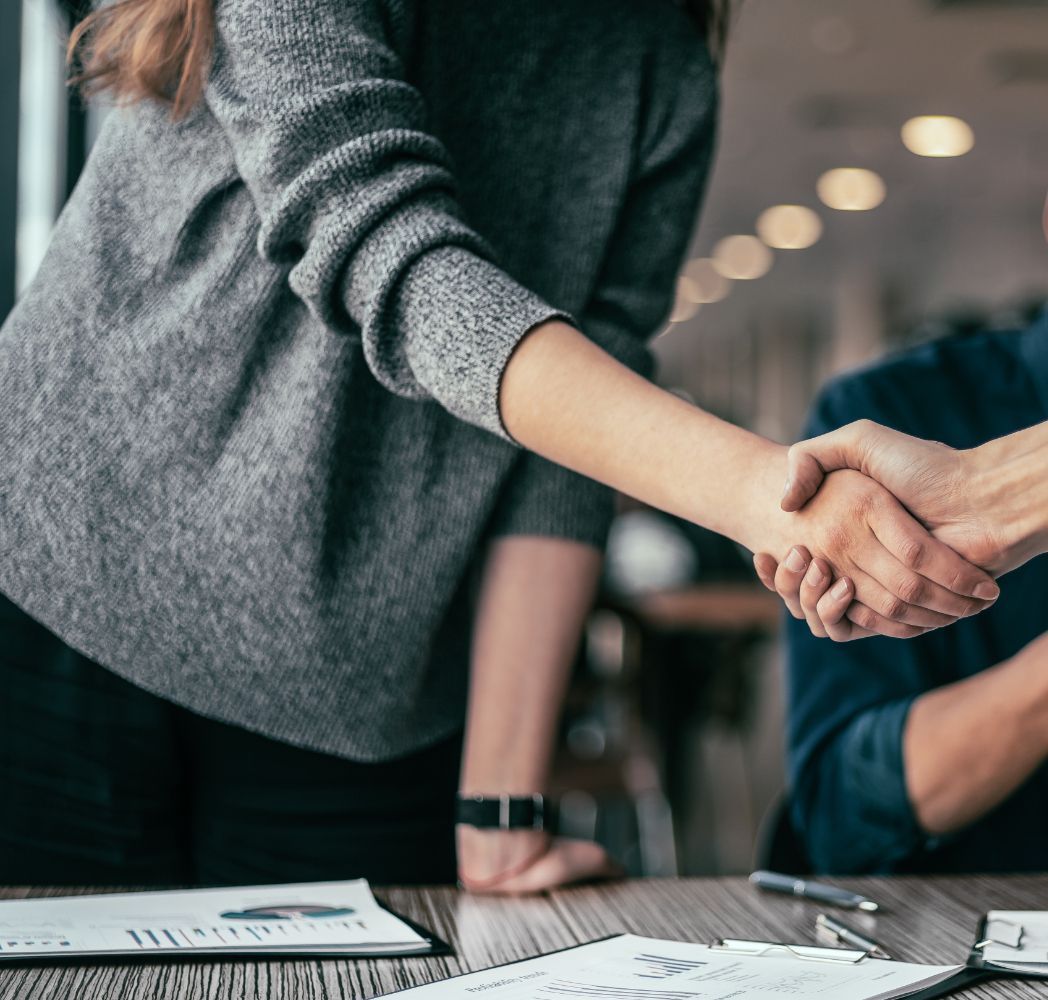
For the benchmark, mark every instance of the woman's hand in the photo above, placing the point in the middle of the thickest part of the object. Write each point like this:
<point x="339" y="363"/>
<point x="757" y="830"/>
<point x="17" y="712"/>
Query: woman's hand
<point x="569" y="401"/>
<point x="521" y="862"/>
<point x="902" y="581"/>
<point x="938" y="484"/>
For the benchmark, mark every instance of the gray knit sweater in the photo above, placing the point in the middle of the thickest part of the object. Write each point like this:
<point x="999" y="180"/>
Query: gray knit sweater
<point x="250" y="449"/>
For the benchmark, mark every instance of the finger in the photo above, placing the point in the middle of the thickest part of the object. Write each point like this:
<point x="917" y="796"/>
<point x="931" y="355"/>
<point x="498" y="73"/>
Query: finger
<point x="894" y="592"/>
<point x="970" y="589"/>
<point x="814" y="584"/>
<point x="832" y="609"/>
<point x="766" y="565"/>
<point x="869" y="616"/>
<point x="869" y="622"/>
<point x="809" y="461"/>
<point x="788" y="578"/>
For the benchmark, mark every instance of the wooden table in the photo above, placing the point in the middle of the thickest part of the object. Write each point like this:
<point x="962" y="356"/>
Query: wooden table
<point x="923" y="919"/>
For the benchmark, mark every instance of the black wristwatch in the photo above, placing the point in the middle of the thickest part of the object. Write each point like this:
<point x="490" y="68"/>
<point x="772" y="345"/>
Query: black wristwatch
<point x="505" y="812"/>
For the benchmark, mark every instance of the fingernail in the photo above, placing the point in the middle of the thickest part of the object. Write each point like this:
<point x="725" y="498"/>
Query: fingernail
<point x="841" y="589"/>
<point x="795" y="561"/>
<point x="987" y="592"/>
<point x="786" y="488"/>
<point x="814" y="575"/>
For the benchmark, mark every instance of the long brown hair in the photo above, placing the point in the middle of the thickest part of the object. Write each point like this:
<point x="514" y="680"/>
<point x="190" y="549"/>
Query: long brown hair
<point x="161" y="49"/>
<point x="142" y="49"/>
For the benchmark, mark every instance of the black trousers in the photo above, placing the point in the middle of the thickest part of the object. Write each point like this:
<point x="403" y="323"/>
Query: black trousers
<point x="102" y="783"/>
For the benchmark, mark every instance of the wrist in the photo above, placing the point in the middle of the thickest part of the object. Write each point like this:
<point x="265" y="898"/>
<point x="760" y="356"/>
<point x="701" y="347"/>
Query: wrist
<point x="762" y="525"/>
<point x="487" y="858"/>
<point x="1008" y="481"/>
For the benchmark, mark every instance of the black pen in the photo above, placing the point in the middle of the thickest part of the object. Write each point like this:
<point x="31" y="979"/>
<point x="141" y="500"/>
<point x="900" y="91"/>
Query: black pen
<point x="793" y="886"/>
<point x="840" y="933"/>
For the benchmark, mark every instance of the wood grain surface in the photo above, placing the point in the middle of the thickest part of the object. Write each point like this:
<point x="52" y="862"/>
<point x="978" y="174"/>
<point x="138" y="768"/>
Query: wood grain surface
<point x="922" y="919"/>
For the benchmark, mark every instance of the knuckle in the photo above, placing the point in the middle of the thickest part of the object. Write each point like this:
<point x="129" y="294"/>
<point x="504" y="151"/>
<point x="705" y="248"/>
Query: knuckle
<point x="838" y="539"/>
<point x="867" y="503"/>
<point x="911" y="589"/>
<point x="893" y="608"/>
<point x="913" y="553"/>
<point x="864" y="618"/>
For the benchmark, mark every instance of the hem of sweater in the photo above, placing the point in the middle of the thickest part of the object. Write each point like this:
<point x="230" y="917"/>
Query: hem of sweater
<point x="565" y="506"/>
<point x="82" y="641"/>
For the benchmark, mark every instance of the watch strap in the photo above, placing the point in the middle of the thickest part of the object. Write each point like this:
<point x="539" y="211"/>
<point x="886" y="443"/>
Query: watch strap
<point x="504" y="812"/>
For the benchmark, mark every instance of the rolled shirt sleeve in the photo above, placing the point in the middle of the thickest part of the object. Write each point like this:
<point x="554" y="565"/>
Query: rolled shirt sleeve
<point x="850" y="799"/>
<point x="359" y="199"/>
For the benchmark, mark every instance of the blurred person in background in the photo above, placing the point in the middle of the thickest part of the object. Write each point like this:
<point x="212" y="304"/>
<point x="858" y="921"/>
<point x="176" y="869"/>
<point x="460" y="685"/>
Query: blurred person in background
<point x="326" y="270"/>
<point x="931" y="755"/>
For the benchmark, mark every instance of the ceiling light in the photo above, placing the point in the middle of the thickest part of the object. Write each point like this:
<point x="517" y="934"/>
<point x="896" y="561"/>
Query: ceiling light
<point x="789" y="227"/>
<point x="684" y="305"/>
<point x="851" y="189"/>
<point x="937" y="135"/>
<point x="705" y="282"/>
<point x="742" y="258"/>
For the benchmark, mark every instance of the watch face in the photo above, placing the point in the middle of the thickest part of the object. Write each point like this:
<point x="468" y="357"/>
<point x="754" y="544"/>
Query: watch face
<point x="289" y="911"/>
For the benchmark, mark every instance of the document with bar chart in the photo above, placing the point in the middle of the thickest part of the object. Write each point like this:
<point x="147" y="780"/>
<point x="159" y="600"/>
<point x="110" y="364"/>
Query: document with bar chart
<point x="317" y="918"/>
<point x="638" y="968"/>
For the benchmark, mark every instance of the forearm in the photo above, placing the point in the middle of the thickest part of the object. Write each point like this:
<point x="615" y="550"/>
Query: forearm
<point x="1009" y="488"/>
<point x="969" y="745"/>
<point x="566" y="399"/>
<point x="534" y="598"/>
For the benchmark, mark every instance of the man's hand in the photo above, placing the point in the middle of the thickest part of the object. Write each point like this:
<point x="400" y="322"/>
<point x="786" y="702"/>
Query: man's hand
<point x="902" y="581"/>
<point x="934" y="482"/>
<point x="805" y="585"/>
<point x="522" y="862"/>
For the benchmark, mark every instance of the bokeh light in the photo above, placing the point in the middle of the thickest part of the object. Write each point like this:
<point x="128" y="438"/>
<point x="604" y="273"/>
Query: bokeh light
<point x="742" y="258"/>
<point x="851" y="189"/>
<point x="938" y="135"/>
<point x="706" y="283"/>
<point x="789" y="227"/>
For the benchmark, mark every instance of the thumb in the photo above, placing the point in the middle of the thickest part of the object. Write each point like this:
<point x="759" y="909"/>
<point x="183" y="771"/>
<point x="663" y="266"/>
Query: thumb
<point x="566" y="862"/>
<point x="809" y="461"/>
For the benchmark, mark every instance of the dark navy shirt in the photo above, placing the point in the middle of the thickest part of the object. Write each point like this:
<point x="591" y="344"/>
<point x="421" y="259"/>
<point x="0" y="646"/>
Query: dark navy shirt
<point x="848" y="703"/>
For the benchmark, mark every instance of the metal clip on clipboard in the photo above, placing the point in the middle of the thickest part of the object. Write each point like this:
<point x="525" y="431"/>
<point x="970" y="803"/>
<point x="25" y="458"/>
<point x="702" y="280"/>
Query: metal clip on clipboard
<point x="776" y="949"/>
<point x="1015" y="940"/>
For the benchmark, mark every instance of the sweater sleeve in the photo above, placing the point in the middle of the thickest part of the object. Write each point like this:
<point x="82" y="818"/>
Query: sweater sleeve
<point x="635" y="289"/>
<point x="358" y="197"/>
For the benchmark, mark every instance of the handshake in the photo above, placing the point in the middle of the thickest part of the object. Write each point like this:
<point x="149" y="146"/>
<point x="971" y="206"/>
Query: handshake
<point x="892" y="535"/>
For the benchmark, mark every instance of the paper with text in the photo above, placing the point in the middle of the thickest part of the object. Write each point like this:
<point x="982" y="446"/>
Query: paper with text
<point x="639" y="968"/>
<point x="311" y="918"/>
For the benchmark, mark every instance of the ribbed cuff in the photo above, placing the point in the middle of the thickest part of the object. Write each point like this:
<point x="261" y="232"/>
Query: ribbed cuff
<point x="463" y="318"/>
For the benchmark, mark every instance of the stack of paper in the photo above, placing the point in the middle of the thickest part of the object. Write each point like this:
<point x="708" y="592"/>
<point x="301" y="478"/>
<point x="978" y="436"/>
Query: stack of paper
<point x="638" y="968"/>
<point x="320" y="918"/>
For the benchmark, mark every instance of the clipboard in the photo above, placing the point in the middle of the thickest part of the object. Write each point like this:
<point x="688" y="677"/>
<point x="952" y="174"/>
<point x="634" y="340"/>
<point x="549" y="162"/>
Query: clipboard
<point x="1004" y="932"/>
<point x="962" y="979"/>
<point x="779" y="949"/>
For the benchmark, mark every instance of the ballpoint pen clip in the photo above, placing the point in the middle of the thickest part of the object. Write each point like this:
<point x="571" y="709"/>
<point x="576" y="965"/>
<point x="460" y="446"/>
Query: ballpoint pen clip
<point x="842" y="934"/>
